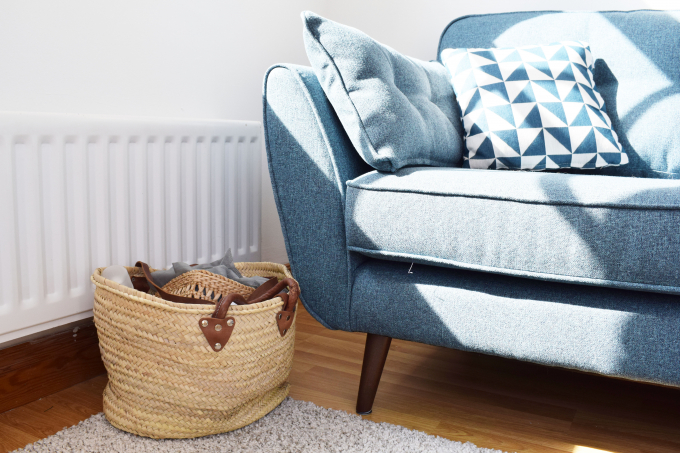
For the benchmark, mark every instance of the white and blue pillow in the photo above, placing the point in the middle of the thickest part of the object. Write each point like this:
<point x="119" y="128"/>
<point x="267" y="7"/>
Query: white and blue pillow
<point x="532" y="108"/>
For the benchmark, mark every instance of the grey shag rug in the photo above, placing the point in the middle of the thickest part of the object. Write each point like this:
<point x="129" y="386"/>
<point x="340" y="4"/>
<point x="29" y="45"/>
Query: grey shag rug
<point x="294" y="426"/>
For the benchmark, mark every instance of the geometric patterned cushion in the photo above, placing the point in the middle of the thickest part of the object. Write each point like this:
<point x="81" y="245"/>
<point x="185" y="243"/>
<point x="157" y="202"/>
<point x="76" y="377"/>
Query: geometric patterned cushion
<point x="532" y="108"/>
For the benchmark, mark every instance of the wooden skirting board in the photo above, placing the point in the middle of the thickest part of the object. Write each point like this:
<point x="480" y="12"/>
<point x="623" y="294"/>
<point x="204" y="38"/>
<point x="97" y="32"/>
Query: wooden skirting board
<point x="46" y="365"/>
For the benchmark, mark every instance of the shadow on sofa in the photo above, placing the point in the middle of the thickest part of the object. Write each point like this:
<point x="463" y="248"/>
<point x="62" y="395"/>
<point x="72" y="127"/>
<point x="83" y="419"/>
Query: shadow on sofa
<point x="632" y="334"/>
<point x="661" y="90"/>
<point x="629" y="340"/>
<point x="603" y="330"/>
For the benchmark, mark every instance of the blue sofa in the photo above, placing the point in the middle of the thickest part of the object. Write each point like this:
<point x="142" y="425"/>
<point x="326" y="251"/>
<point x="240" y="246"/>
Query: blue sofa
<point x="572" y="269"/>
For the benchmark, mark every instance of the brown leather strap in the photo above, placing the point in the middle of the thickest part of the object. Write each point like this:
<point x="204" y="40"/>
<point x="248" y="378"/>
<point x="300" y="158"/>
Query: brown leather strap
<point x="293" y="294"/>
<point x="165" y="295"/>
<point x="218" y="328"/>
<point x="263" y="288"/>
<point x="140" y="284"/>
<point x="284" y="318"/>
<point x="222" y="306"/>
<point x="267" y="290"/>
<point x="217" y="331"/>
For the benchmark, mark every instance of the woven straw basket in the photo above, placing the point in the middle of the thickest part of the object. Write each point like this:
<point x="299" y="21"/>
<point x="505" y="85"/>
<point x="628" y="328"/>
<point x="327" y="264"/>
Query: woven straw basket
<point x="166" y="380"/>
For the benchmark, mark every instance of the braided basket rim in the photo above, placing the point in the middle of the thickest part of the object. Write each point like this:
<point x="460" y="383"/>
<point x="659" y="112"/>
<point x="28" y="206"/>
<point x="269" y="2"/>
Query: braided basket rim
<point x="198" y="308"/>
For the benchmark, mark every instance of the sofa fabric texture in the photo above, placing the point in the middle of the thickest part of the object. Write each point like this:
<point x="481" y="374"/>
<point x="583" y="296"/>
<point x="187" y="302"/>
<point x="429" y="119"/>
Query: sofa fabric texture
<point x="532" y="108"/>
<point x="310" y="158"/>
<point x="636" y="71"/>
<point x="589" y="229"/>
<point x="631" y="334"/>
<point x="396" y="110"/>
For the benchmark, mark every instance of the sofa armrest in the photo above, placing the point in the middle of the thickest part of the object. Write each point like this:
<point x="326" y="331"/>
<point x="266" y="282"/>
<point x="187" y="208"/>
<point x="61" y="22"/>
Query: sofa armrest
<point x="310" y="159"/>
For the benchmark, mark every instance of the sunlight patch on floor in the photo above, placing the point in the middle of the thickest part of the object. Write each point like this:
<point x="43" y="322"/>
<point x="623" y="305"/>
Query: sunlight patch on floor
<point x="581" y="449"/>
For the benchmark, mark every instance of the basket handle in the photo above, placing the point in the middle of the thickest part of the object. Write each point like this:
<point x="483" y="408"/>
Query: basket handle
<point x="288" y="299"/>
<point x="284" y="318"/>
<point x="273" y="289"/>
<point x="264" y="292"/>
<point x="218" y="328"/>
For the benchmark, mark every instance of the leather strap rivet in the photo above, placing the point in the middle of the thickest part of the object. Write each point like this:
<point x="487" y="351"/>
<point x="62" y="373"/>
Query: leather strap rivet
<point x="284" y="331"/>
<point x="218" y="327"/>
<point x="204" y="323"/>
<point x="279" y="315"/>
<point x="288" y="318"/>
<point x="230" y="322"/>
<point x="218" y="346"/>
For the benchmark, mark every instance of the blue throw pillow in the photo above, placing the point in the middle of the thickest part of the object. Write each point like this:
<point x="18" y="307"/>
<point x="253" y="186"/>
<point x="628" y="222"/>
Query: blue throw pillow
<point x="532" y="108"/>
<point x="396" y="110"/>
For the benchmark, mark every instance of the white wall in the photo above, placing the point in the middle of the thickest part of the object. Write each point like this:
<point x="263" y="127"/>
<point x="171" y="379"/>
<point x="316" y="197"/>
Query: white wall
<point x="189" y="58"/>
<point x="202" y="58"/>
<point x="413" y="27"/>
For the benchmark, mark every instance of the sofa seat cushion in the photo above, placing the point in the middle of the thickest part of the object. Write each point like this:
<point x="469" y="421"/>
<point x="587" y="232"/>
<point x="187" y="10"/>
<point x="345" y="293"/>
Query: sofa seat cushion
<point x="587" y="229"/>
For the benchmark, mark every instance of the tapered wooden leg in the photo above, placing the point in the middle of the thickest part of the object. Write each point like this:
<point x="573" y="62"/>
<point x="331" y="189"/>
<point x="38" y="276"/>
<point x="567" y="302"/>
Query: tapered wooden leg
<point x="375" y="354"/>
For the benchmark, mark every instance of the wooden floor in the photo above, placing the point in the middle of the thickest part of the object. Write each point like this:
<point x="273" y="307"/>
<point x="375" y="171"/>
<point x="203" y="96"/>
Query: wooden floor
<point x="492" y="402"/>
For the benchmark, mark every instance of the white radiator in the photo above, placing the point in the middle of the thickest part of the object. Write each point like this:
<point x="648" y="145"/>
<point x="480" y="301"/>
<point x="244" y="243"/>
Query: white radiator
<point x="81" y="192"/>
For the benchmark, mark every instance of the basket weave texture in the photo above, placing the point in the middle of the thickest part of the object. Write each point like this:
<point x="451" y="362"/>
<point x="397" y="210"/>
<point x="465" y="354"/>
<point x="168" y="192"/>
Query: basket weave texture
<point x="164" y="379"/>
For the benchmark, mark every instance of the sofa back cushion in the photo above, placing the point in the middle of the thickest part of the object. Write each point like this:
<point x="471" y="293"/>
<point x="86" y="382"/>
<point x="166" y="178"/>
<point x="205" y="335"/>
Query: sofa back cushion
<point x="397" y="111"/>
<point x="637" y="70"/>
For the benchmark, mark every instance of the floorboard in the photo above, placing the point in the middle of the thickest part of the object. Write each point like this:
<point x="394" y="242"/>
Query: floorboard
<point x="467" y="397"/>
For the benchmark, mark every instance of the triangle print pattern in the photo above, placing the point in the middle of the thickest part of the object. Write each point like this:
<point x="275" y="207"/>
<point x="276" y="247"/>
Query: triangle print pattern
<point x="532" y="108"/>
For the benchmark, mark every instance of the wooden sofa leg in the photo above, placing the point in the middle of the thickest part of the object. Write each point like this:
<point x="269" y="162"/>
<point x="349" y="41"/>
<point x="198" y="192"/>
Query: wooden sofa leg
<point x="375" y="354"/>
